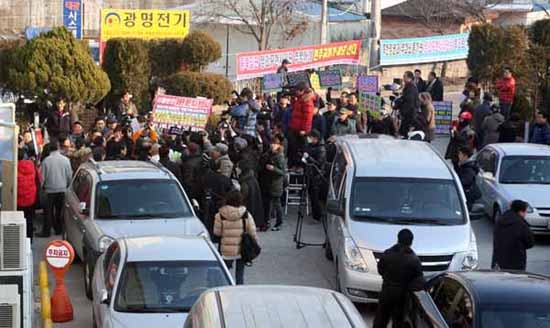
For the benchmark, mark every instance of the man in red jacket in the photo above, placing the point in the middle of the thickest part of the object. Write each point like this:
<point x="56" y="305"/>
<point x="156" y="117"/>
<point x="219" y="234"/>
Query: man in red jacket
<point x="300" y="122"/>
<point x="27" y="177"/>
<point x="506" y="92"/>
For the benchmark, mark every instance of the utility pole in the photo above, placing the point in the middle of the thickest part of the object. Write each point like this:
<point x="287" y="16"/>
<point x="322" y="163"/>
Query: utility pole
<point x="376" y="27"/>
<point x="324" y="21"/>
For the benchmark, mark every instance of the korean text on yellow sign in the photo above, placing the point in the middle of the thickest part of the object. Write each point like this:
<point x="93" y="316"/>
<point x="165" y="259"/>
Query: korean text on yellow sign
<point x="144" y="24"/>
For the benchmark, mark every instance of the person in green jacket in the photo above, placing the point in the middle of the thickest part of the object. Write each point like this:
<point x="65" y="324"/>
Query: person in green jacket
<point x="345" y="124"/>
<point x="276" y="168"/>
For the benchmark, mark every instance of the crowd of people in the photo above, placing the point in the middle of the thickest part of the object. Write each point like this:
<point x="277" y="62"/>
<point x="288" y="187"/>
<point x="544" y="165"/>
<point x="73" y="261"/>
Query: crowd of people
<point x="237" y="168"/>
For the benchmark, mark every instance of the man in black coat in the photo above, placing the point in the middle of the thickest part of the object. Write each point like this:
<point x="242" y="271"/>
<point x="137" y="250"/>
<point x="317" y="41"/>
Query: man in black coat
<point x="316" y="161"/>
<point x="435" y="87"/>
<point x="418" y="81"/>
<point x="408" y="104"/>
<point x="512" y="238"/>
<point x="401" y="272"/>
<point x="59" y="121"/>
<point x="480" y="113"/>
<point x="467" y="172"/>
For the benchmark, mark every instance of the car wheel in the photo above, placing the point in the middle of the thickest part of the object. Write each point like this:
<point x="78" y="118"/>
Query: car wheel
<point x="496" y="213"/>
<point x="88" y="274"/>
<point x="328" y="251"/>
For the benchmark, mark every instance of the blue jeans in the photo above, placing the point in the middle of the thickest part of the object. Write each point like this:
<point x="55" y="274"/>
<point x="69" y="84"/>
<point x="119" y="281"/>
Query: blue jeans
<point x="239" y="270"/>
<point x="505" y="110"/>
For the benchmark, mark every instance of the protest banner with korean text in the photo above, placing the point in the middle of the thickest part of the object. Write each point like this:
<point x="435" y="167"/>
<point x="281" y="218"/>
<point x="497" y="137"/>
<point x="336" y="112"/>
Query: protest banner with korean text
<point x="272" y="82"/>
<point x="259" y="63"/>
<point x="443" y="116"/>
<point x="330" y="79"/>
<point x="368" y="83"/>
<point x="183" y="112"/>
<point x="144" y="24"/>
<point x="296" y="78"/>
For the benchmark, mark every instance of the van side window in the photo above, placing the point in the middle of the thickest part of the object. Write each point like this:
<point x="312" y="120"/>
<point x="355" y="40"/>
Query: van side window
<point x="338" y="172"/>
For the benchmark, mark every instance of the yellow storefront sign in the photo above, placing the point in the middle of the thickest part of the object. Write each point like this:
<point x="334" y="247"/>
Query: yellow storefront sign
<point x="144" y="24"/>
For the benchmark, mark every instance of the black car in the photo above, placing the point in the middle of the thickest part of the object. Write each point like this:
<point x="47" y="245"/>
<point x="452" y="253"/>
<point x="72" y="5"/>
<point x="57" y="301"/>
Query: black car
<point x="481" y="299"/>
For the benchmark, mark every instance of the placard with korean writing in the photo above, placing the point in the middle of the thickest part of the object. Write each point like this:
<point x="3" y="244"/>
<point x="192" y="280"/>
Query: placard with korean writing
<point x="370" y="102"/>
<point x="368" y="83"/>
<point x="296" y="78"/>
<point x="144" y="24"/>
<point x="182" y="112"/>
<point x="72" y="17"/>
<point x="443" y="116"/>
<point x="314" y="81"/>
<point x="272" y="82"/>
<point x="259" y="63"/>
<point x="330" y="79"/>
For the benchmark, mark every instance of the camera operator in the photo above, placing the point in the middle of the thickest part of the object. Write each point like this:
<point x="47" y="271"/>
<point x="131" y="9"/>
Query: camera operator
<point x="408" y="104"/>
<point x="246" y="112"/>
<point x="315" y="159"/>
<point x="301" y="121"/>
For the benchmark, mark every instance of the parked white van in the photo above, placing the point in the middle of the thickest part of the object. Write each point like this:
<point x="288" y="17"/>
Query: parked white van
<point x="380" y="185"/>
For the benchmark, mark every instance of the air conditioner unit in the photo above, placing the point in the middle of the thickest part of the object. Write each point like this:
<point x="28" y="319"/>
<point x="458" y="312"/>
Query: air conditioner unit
<point x="9" y="307"/>
<point x="12" y="241"/>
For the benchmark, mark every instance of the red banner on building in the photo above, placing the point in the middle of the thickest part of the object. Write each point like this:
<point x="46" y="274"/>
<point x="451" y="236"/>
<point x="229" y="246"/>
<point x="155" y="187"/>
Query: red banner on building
<point x="259" y="63"/>
<point x="182" y="112"/>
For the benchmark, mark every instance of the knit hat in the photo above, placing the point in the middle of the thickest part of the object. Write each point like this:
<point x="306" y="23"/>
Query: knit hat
<point x="222" y="148"/>
<point x="240" y="143"/>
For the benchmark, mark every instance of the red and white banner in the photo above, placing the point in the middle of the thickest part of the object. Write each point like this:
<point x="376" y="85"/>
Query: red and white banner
<point x="259" y="63"/>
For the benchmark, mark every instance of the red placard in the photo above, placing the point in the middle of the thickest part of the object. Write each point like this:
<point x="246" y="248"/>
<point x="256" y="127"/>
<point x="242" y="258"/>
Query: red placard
<point x="259" y="63"/>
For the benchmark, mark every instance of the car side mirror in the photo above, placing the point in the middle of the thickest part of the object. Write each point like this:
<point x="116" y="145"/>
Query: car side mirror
<point x="334" y="207"/>
<point x="477" y="212"/>
<point x="104" y="297"/>
<point x="489" y="176"/>
<point x="83" y="208"/>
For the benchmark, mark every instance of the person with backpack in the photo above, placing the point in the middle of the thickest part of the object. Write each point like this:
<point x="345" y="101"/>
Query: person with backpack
<point x="231" y="224"/>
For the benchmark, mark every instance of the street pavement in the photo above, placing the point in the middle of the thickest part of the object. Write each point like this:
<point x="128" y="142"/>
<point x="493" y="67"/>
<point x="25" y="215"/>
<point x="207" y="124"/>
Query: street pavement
<point x="281" y="263"/>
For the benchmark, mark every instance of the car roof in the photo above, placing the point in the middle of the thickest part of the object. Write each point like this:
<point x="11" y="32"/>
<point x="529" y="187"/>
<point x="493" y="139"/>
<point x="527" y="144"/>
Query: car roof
<point x="168" y="248"/>
<point x="127" y="170"/>
<point x="389" y="157"/>
<point x="285" y="306"/>
<point x="505" y="287"/>
<point x="521" y="149"/>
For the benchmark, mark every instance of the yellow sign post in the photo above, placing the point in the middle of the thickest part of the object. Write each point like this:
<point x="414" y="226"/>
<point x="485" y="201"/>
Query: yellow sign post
<point x="144" y="24"/>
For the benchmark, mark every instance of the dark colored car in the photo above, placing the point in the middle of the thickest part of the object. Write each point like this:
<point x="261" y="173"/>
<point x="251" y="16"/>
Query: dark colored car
<point x="481" y="299"/>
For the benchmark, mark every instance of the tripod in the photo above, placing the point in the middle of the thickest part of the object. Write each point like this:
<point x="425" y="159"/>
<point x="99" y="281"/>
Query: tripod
<point x="300" y="219"/>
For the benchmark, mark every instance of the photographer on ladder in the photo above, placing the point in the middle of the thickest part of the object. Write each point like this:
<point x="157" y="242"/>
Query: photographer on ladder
<point x="315" y="159"/>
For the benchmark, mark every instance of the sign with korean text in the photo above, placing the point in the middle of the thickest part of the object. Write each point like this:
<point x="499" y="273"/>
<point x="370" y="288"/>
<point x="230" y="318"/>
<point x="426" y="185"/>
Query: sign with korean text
<point x="59" y="254"/>
<point x="259" y="63"/>
<point x="370" y="102"/>
<point x="295" y="78"/>
<point x="314" y="81"/>
<point x="272" y="82"/>
<point x="72" y="17"/>
<point x="368" y="83"/>
<point x="144" y="24"/>
<point x="443" y="116"/>
<point x="183" y="112"/>
<point x="330" y="79"/>
<point x="424" y="50"/>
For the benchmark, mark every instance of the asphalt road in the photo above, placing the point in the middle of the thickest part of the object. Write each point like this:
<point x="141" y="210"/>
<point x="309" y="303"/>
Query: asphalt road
<point x="281" y="263"/>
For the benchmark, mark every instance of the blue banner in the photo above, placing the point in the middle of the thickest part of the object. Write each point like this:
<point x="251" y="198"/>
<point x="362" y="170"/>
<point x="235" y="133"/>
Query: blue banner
<point x="424" y="50"/>
<point x="72" y="17"/>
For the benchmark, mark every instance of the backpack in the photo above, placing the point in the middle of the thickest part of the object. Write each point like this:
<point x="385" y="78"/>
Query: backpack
<point x="249" y="246"/>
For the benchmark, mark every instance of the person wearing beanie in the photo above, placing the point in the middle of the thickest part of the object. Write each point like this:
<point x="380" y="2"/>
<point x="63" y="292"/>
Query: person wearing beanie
<point x="221" y="158"/>
<point x="401" y="272"/>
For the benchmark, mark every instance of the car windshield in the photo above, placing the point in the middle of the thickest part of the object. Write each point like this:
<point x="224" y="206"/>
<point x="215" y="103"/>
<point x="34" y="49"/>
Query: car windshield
<point x="134" y="199"/>
<point x="525" y="170"/>
<point x="406" y="201"/>
<point x="166" y="286"/>
<point x="525" y="316"/>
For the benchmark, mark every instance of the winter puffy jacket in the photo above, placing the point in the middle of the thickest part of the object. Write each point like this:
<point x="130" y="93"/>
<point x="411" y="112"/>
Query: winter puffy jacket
<point x="26" y="183"/>
<point x="302" y="113"/>
<point x="228" y="225"/>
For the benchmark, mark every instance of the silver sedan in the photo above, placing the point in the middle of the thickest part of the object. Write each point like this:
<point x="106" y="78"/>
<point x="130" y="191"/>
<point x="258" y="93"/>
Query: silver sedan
<point x="512" y="171"/>
<point x="154" y="281"/>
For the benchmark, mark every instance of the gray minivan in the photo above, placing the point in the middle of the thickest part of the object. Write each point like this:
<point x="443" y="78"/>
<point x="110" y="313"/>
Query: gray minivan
<point x="115" y="199"/>
<point x="273" y="306"/>
<point x="380" y="185"/>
